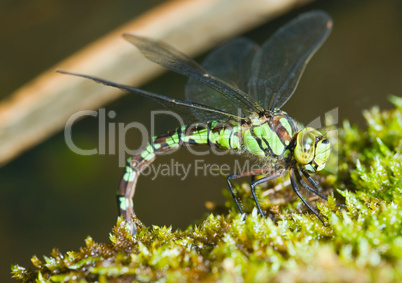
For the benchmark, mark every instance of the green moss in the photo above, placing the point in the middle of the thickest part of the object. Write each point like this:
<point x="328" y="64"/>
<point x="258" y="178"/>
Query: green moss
<point x="360" y="243"/>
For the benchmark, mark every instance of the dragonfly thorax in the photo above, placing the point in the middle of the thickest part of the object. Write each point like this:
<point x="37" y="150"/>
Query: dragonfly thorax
<point x="312" y="149"/>
<point x="270" y="135"/>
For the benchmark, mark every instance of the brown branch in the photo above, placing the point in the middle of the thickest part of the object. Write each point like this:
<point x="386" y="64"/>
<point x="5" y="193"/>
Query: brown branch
<point x="42" y="106"/>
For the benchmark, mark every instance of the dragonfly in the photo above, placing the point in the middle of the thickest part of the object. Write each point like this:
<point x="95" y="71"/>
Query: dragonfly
<point x="233" y="103"/>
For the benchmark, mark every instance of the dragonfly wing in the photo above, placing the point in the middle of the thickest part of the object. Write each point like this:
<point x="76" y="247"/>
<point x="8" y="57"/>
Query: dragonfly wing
<point x="165" y="55"/>
<point x="184" y="108"/>
<point x="280" y="62"/>
<point x="230" y="62"/>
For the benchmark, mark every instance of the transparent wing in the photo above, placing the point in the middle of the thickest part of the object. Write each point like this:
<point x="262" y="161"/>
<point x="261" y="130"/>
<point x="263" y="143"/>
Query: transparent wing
<point x="280" y="62"/>
<point x="184" y="108"/>
<point x="172" y="59"/>
<point x="230" y="62"/>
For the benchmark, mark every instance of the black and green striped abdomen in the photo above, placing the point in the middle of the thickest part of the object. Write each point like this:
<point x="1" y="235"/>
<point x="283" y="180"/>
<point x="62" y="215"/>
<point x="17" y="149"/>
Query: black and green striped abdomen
<point x="225" y="136"/>
<point x="222" y="135"/>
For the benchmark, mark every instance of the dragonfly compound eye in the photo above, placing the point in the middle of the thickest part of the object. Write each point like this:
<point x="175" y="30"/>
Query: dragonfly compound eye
<point x="306" y="139"/>
<point x="322" y="152"/>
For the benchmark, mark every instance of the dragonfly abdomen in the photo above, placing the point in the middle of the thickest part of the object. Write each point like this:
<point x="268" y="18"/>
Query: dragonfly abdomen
<point x="222" y="135"/>
<point x="213" y="133"/>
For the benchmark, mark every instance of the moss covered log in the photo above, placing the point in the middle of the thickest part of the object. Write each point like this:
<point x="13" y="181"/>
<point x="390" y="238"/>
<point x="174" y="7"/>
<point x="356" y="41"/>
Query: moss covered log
<point x="361" y="242"/>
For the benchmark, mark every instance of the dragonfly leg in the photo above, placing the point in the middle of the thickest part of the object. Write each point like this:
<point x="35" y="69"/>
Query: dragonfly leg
<point x="307" y="187"/>
<point x="253" y="184"/>
<point x="262" y="180"/>
<point x="296" y="190"/>
<point x="231" y="177"/>
<point x="315" y="185"/>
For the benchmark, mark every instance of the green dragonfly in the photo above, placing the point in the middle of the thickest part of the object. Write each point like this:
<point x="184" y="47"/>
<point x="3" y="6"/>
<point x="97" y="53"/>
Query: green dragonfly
<point x="235" y="105"/>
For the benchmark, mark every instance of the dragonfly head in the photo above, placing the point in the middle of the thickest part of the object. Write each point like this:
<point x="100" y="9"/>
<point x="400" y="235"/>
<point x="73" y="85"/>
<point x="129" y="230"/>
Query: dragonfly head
<point x="312" y="149"/>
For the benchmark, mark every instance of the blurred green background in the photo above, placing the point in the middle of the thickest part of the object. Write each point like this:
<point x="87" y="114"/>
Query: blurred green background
<point x="52" y="197"/>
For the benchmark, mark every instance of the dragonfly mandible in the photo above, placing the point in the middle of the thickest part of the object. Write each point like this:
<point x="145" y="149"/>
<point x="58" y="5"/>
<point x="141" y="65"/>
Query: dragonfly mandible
<point x="233" y="102"/>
